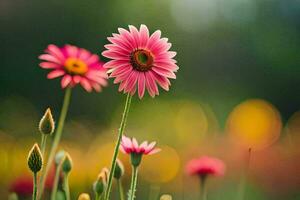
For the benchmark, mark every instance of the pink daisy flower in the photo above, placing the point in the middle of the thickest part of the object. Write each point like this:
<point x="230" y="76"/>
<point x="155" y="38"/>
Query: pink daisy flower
<point x="205" y="165"/>
<point x="76" y="66"/>
<point x="129" y="146"/>
<point x="140" y="61"/>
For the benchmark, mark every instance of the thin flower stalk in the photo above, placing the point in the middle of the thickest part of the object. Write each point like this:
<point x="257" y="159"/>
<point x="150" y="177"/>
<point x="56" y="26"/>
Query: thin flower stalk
<point x="57" y="138"/>
<point x="134" y="176"/>
<point x="243" y="181"/>
<point x="55" y="182"/>
<point x="35" y="189"/>
<point x="203" y="188"/>
<point x="66" y="187"/>
<point x="120" y="189"/>
<point x="116" y="150"/>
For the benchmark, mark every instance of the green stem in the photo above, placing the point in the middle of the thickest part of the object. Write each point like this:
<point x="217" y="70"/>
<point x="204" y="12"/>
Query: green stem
<point x="203" y="188"/>
<point x="56" y="180"/>
<point x="243" y="181"/>
<point x="66" y="186"/>
<point x="120" y="188"/>
<point x="43" y="143"/>
<point x="34" y="194"/>
<point x="56" y="140"/>
<point x="116" y="150"/>
<point x="154" y="192"/>
<point x="131" y="195"/>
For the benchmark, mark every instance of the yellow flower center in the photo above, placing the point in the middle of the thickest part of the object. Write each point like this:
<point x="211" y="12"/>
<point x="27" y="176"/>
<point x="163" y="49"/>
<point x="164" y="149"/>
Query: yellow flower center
<point x="141" y="60"/>
<point x="76" y="66"/>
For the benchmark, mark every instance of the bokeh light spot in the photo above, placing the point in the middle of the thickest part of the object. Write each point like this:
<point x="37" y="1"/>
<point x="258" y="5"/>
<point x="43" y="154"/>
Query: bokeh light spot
<point x="161" y="167"/>
<point x="254" y="124"/>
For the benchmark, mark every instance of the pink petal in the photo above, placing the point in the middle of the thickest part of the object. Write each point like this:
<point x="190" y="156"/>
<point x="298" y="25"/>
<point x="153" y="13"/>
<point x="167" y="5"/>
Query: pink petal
<point x="164" y="72"/>
<point x="153" y="39"/>
<point x="55" y="73"/>
<point x="144" y="36"/>
<point x="92" y="59"/>
<point x="131" y="83"/>
<point x="56" y="51"/>
<point x="161" y="46"/>
<point x="115" y="63"/>
<point x="141" y="84"/>
<point x="116" y="55"/>
<point x="72" y="51"/>
<point x="117" y="48"/>
<point x="119" y="41"/>
<point x="84" y="54"/>
<point x="154" y="151"/>
<point x="135" y="34"/>
<point x="162" y="81"/>
<point x="85" y="84"/>
<point x="76" y="79"/>
<point x="135" y="144"/>
<point x="126" y="141"/>
<point x="49" y="65"/>
<point x="50" y="58"/>
<point x="151" y="82"/>
<point x="127" y="37"/>
<point x="66" y="80"/>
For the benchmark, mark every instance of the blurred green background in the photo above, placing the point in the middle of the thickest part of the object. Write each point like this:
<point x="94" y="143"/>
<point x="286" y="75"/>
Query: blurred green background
<point x="228" y="52"/>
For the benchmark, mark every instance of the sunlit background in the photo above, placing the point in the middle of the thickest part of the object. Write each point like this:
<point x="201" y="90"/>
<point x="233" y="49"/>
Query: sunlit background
<point x="237" y="88"/>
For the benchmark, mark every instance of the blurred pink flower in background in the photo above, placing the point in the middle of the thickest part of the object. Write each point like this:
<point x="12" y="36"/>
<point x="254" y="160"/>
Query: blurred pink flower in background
<point x="205" y="165"/>
<point x="140" y="61"/>
<point x="129" y="146"/>
<point x="76" y="66"/>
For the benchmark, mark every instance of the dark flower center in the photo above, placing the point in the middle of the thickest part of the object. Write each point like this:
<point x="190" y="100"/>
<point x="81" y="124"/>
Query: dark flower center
<point x="141" y="60"/>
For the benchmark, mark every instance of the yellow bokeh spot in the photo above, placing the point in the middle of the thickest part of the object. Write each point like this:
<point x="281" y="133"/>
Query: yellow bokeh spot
<point x="254" y="124"/>
<point x="190" y="120"/>
<point x="161" y="167"/>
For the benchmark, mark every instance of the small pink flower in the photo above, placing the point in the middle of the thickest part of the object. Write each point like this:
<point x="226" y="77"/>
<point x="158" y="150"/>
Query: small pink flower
<point x="76" y="66"/>
<point x="205" y="165"/>
<point x="140" y="61"/>
<point x="129" y="146"/>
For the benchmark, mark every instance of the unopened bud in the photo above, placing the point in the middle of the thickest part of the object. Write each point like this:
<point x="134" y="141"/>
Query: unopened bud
<point x="13" y="196"/>
<point x="100" y="184"/>
<point x="35" y="159"/>
<point x="84" y="196"/>
<point x="59" y="157"/>
<point x="166" y="197"/>
<point x="119" y="170"/>
<point x="46" y="125"/>
<point x="67" y="164"/>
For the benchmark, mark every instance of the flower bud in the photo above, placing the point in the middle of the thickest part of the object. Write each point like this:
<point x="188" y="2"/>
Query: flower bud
<point x="59" y="157"/>
<point x="100" y="184"/>
<point x="84" y="196"/>
<point x="46" y="125"/>
<point x="166" y="197"/>
<point x="35" y="159"/>
<point x="67" y="164"/>
<point x="13" y="196"/>
<point x="119" y="170"/>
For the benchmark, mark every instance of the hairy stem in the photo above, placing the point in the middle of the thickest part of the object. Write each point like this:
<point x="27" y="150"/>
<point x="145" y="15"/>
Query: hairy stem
<point x="116" y="150"/>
